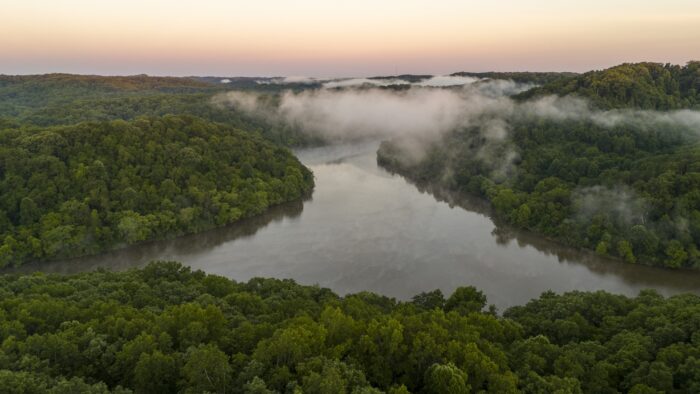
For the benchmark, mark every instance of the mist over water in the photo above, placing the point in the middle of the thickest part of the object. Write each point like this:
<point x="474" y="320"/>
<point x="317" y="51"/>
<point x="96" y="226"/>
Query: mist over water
<point x="366" y="229"/>
<point x="424" y="112"/>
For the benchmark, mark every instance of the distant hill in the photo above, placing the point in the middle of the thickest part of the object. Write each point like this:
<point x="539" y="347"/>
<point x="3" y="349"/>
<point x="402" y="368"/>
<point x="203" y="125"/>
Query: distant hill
<point x="9" y="84"/>
<point x="538" y="78"/>
<point x="262" y="84"/>
<point x="639" y="85"/>
<point x="41" y="90"/>
<point x="410" y="78"/>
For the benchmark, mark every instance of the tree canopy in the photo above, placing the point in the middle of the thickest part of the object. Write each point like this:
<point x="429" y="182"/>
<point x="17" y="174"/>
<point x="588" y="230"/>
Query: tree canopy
<point x="532" y="77"/>
<point x="631" y="85"/>
<point x="67" y="191"/>
<point x="624" y="191"/>
<point x="165" y="328"/>
<point x="63" y="99"/>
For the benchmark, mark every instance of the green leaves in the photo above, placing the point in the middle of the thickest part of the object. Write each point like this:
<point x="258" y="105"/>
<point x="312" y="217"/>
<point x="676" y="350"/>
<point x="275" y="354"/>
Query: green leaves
<point x="166" y="328"/>
<point x="90" y="187"/>
<point x="637" y="85"/>
<point x="207" y="370"/>
<point x="446" y="379"/>
<point x="466" y="300"/>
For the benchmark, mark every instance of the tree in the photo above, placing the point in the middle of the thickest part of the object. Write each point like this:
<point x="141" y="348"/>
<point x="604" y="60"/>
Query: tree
<point x="624" y="248"/>
<point x="446" y="379"/>
<point x="677" y="255"/>
<point x="429" y="300"/>
<point x="207" y="370"/>
<point x="466" y="300"/>
<point x="257" y="386"/>
<point x="29" y="212"/>
<point x="155" y="373"/>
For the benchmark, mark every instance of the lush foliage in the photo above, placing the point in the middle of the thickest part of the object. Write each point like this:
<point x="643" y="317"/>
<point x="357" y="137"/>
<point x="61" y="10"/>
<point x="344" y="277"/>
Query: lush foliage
<point x="61" y="99"/>
<point x="72" y="190"/>
<point x="631" y="190"/>
<point x="166" y="329"/>
<point x="537" y="78"/>
<point x="623" y="191"/>
<point x="640" y="85"/>
<point x="28" y="89"/>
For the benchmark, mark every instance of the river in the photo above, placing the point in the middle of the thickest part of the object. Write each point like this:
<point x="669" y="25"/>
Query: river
<point x="366" y="229"/>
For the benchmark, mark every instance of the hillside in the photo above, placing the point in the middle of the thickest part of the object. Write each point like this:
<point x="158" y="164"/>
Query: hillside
<point x="64" y="99"/>
<point x="166" y="329"/>
<point x="68" y="191"/>
<point x="31" y="91"/>
<point x="639" y="85"/>
<point x="537" y="78"/>
<point x="624" y="184"/>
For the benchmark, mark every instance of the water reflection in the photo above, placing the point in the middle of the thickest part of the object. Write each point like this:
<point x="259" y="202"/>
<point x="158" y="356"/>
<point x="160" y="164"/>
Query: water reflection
<point x="175" y="249"/>
<point x="367" y="229"/>
<point x="504" y="235"/>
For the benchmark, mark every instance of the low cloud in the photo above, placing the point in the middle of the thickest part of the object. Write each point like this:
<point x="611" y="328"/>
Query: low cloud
<point x="423" y="115"/>
<point x="359" y="113"/>
<point x="446" y="80"/>
<point x="431" y="81"/>
<point x="573" y="108"/>
<point x="370" y="113"/>
<point x="290" y="80"/>
<point x="344" y="83"/>
<point x="619" y="203"/>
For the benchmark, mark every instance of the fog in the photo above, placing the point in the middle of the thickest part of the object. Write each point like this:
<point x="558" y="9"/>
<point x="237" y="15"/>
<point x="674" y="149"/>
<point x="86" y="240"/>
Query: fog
<point x="573" y="108"/>
<point x="446" y="80"/>
<point x="364" y="81"/>
<point x="351" y="113"/>
<point x="620" y="203"/>
<point x="419" y="116"/>
<point x="430" y="81"/>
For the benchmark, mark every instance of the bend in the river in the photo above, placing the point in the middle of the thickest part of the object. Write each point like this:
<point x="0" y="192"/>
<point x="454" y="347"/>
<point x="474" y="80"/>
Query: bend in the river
<point x="366" y="229"/>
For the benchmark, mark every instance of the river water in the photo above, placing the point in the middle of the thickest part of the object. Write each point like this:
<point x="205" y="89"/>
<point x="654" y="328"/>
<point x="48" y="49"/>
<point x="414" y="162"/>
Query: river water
<point x="366" y="229"/>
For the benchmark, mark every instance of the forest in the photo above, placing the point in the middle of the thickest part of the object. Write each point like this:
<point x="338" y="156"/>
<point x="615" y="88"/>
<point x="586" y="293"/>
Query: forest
<point x="531" y="77"/>
<point x="638" y="85"/>
<point x="62" y="99"/>
<point x="166" y="328"/>
<point x="74" y="190"/>
<point x="89" y="164"/>
<point x="630" y="190"/>
<point x="92" y="163"/>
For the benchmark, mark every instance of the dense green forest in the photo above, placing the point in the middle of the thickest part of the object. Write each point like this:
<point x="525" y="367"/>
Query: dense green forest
<point x="640" y="85"/>
<point x="89" y="163"/>
<point x="166" y="329"/>
<point x="61" y="99"/>
<point x="623" y="192"/>
<point x="537" y="78"/>
<point x="631" y="190"/>
<point x="80" y="189"/>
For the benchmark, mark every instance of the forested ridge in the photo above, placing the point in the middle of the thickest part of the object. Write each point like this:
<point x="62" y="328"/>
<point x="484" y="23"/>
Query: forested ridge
<point x="629" y="189"/>
<point x="80" y="189"/>
<point x="532" y="77"/>
<point x="20" y="94"/>
<point x="62" y="99"/>
<point x="638" y="85"/>
<point x="622" y="192"/>
<point x="165" y="328"/>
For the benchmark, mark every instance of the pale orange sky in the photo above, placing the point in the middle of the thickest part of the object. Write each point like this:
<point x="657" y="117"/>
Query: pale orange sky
<point x="350" y="38"/>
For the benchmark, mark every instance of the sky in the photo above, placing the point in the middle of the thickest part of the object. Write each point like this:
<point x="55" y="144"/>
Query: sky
<point x="326" y="38"/>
